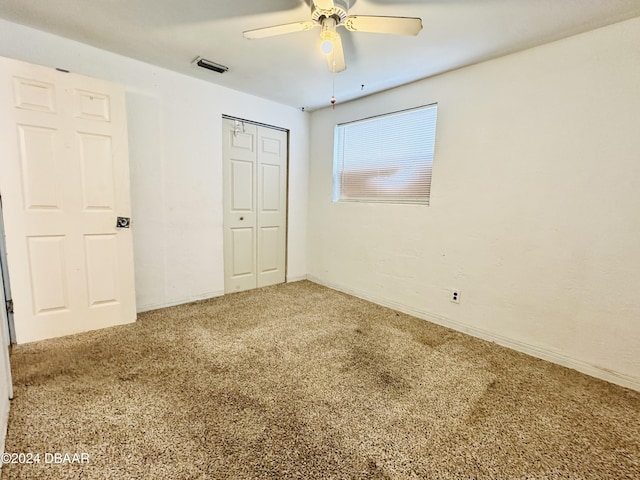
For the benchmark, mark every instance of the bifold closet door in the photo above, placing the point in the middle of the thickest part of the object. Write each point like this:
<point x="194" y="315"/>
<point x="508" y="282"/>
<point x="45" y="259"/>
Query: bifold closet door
<point x="255" y="195"/>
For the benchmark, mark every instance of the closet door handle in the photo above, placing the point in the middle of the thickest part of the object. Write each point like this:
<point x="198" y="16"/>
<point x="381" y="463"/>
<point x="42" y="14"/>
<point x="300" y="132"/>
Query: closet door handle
<point x="241" y="218"/>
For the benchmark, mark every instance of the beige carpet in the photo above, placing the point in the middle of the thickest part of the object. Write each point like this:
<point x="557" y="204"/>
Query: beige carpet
<point x="301" y="382"/>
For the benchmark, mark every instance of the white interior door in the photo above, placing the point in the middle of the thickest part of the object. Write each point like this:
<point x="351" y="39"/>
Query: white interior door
<point x="64" y="181"/>
<point x="272" y="201"/>
<point x="255" y="198"/>
<point x="239" y="156"/>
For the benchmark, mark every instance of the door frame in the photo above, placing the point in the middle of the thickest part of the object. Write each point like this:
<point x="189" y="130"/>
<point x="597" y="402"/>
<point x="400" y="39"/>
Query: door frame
<point x="6" y="330"/>
<point x="6" y="283"/>
<point x="286" y="227"/>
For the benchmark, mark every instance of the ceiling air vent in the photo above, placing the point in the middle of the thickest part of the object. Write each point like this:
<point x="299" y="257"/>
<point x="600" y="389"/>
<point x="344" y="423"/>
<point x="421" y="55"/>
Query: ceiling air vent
<point x="209" y="65"/>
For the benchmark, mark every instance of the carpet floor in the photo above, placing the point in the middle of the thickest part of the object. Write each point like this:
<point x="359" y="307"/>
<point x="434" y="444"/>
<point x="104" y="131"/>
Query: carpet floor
<point x="298" y="381"/>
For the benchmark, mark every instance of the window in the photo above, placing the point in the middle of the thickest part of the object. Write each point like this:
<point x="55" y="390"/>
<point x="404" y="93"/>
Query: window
<point x="385" y="159"/>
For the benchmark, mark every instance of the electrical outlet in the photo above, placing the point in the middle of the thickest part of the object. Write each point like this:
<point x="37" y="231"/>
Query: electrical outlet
<point x="455" y="296"/>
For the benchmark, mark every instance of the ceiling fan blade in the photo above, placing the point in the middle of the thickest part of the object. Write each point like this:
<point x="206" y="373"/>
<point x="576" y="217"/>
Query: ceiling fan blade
<point x="336" y="58"/>
<point x="394" y="25"/>
<point x="279" y="30"/>
<point x="324" y="4"/>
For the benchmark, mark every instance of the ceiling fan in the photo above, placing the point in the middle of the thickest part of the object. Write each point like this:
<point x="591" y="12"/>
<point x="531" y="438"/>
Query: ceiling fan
<point x="330" y="14"/>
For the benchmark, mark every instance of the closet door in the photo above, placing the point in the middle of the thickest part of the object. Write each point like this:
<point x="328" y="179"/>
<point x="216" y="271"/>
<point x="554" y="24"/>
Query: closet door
<point x="272" y="202"/>
<point x="64" y="183"/>
<point x="239" y="151"/>
<point x="255" y="194"/>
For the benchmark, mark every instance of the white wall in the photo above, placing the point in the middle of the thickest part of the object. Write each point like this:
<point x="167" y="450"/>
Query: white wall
<point x="175" y="142"/>
<point x="534" y="210"/>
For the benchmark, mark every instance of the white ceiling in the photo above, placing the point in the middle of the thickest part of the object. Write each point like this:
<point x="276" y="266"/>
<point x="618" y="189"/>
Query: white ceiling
<point x="290" y="69"/>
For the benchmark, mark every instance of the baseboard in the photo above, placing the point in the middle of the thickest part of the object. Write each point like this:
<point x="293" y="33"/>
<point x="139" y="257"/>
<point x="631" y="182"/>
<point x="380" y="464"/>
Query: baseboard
<point x="296" y="278"/>
<point x="194" y="298"/>
<point x="537" y="351"/>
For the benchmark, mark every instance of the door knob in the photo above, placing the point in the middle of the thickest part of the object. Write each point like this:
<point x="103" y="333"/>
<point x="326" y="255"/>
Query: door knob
<point x="241" y="218"/>
<point x="123" y="222"/>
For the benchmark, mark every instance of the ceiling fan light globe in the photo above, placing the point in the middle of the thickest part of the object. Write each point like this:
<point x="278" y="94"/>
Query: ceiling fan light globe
<point x="328" y="38"/>
<point x="326" y="47"/>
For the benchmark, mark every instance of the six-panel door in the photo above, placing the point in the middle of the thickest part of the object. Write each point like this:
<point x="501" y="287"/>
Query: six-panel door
<point x="65" y="180"/>
<point x="255" y="176"/>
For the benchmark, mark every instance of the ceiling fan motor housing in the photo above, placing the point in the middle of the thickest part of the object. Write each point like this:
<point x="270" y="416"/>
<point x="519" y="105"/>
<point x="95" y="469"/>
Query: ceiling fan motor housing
<point x="339" y="11"/>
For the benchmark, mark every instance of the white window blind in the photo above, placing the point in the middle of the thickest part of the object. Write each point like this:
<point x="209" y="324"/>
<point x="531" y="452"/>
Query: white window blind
<point x="387" y="158"/>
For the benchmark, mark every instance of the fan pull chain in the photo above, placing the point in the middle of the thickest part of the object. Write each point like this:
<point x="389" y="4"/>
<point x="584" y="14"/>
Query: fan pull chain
<point x="333" y="91"/>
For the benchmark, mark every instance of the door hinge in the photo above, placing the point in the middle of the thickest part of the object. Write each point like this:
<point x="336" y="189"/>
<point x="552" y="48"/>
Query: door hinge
<point x="9" y="304"/>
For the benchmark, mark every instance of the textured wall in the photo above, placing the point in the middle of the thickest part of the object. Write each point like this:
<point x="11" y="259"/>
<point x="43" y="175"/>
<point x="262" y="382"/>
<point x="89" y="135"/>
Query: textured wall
<point x="534" y="207"/>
